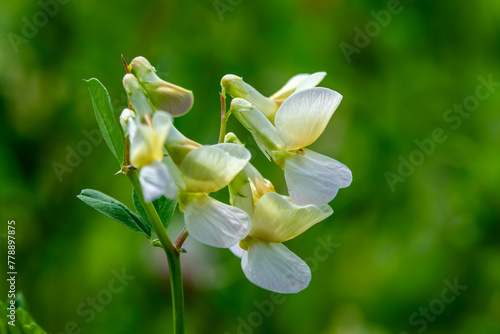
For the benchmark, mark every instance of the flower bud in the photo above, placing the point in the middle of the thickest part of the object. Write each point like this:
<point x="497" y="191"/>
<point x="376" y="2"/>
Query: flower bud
<point x="127" y="121"/>
<point x="163" y="95"/>
<point x="136" y="96"/>
<point x="230" y="137"/>
<point x="236" y="87"/>
<point x="260" y="127"/>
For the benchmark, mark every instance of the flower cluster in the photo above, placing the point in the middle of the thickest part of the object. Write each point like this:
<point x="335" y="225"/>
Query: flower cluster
<point x="257" y="220"/>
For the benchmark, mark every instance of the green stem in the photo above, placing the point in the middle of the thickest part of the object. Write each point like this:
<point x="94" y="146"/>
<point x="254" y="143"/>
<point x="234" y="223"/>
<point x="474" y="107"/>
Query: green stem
<point x="223" y="116"/>
<point x="173" y="256"/>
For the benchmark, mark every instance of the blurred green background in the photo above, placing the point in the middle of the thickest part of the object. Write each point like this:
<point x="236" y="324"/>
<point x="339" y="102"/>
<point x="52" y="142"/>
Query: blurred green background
<point x="395" y="246"/>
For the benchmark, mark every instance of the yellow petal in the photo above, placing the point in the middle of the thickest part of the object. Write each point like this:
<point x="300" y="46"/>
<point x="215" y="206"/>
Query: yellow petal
<point x="277" y="219"/>
<point x="147" y="143"/>
<point x="210" y="168"/>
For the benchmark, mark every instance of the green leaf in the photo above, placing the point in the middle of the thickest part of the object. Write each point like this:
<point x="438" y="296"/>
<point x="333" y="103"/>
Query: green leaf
<point x="140" y="209"/>
<point x="24" y="322"/>
<point x="115" y="210"/>
<point x="109" y="124"/>
<point x="164" y="206"/>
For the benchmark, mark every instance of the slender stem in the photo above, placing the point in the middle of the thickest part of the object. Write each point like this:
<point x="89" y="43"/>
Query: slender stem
<point x="174" y="267"/>
<point x="173" y="256"/>
<point x="223" y="117"/>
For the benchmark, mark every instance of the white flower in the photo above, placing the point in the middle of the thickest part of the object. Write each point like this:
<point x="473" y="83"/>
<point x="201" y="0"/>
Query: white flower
<point x="203" y="170"/>
<point x="266" y="262"/>
<point x="237" y="88"/>
<point x="311" y="178"/>
<point x="146" y="142"/>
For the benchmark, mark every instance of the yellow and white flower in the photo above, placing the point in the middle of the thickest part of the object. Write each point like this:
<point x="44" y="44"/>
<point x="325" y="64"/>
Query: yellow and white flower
<point x="146" y="142"/>
<point x="237" y="88"/>
<point x="266" y="262"/>
<point x="190" y="174"/>
<point x="312" y="178"/>
<point x="163" y="95"/>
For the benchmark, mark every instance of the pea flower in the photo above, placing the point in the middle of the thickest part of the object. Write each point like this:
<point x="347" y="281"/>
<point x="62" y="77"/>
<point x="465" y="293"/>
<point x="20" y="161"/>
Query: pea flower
<point x="190" y="173"/>
<point x="136" y="95"/>
<point x="237" y="88"/>
<point x="312" y="178"/>
<point x="146" y="141"/>
<point x="163" y="95"/>
<point x="266" y="262"/>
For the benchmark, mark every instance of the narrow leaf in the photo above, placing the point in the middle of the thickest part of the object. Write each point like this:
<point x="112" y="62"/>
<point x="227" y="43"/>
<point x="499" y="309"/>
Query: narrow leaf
<point x="115" y="210"/>
<point x="164" y="206"/>
<point x="111" y="129"/>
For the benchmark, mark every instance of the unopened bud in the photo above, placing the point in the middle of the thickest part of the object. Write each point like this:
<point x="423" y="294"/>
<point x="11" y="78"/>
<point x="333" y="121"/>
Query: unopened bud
<point x="136" y="96"/>
<point x="126" y="120"/>
<point x="236" y="87"/>
<point x="230" y="137"/>
<point x="163" y="95"/>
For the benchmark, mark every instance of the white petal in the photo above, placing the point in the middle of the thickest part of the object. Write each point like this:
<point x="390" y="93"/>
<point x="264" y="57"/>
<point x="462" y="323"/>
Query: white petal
<point x="274" y="267"/>
<point x="313" y="178"/>
<point x="237" y="250"/>
<point x="300" y="80"/>
<point x="175" y="173"/>
<point x="312" y="81"/>
<point x="156" y="181"/>
<point x="303" y="117"/>
<point x="210" y="168"/>
<point x="277" y="219"/>
<point x="215" y="223"/>
<point x="126" y="118"/>
<point x="162" y="120"/>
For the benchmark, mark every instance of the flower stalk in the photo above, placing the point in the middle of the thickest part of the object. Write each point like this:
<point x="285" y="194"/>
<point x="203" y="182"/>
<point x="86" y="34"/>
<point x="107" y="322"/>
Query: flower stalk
<point x="173" y="255"/>
<point x="224" y="116"/>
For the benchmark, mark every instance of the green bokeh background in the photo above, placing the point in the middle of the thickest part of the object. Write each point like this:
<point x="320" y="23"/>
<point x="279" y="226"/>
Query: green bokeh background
<point x="395" y="247"/>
